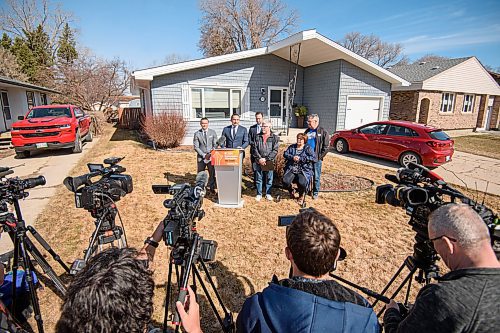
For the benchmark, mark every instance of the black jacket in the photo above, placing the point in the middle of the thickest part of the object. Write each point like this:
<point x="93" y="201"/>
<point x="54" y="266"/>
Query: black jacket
<point x="465" y="300"/>
<point x="322" y="142"/>
<point x="267" y="150"/>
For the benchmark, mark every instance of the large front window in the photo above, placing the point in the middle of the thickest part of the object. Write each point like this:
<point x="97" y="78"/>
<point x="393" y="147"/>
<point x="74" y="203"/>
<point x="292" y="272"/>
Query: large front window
<point x="447" y="102"/>
<point x="468" y="103"/>
<point x="215" y="102"/>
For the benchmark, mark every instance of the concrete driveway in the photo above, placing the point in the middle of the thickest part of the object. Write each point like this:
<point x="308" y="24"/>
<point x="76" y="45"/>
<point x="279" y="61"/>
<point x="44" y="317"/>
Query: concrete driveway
<point x="466" y="169"/>
<point x="54" y="166"/>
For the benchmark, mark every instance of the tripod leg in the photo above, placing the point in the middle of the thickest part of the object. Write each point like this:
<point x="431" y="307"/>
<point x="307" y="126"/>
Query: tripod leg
<point x="31" y="286"/>
<point x="209" y="277"/>
<point x="168" y="296"/>
<point x="47" y="247"/>
<point x="205" y="290"/>
<point x="407" y="296"/>
<point x="15" y="266"/>
<point x="45" y="266"/>
<point x="391" y="281"/>
<point x="408" y="278"/>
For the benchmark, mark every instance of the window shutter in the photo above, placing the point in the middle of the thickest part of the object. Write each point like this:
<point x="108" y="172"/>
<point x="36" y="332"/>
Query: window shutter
<point x="186" y="111"/>
<point x="246" y="104"/>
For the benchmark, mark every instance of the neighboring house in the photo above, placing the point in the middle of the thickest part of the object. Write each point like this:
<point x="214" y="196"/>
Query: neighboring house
<point x="17" y="97"/>
<point x="343" y="88"/>
<point x="450" y="93"/>
<point x="121" y="102"/>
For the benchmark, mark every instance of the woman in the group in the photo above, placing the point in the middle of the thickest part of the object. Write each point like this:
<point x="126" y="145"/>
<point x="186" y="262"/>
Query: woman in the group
<point x="298" y="169"/>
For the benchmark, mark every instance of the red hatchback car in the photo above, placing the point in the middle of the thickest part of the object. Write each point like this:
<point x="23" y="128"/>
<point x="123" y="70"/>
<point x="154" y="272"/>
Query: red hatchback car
<point x="400" y="141"/>
<point x="51" y="127"/>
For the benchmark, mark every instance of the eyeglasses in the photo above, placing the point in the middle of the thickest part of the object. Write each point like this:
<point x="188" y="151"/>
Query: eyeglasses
<point x="264" y="126"/>
<point x="429" y="241"/>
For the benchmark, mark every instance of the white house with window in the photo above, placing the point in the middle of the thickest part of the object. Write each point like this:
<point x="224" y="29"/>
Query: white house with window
<point x="343" y="88"/>
<point x="447" y="93"/>
<point x="17" y="98"/>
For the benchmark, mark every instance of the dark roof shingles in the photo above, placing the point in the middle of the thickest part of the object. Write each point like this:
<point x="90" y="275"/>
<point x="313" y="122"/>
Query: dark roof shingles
<point x="419" y="72"/>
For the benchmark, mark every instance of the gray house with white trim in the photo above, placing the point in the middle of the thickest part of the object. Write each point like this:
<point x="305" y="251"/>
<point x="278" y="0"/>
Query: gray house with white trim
<point x="17" y="97"/>
<point x="343" y="88"/>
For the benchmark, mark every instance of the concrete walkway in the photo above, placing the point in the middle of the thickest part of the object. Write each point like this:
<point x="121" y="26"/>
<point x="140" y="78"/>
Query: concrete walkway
<point x="54" y="166"/>
<point x="465" y="170"/>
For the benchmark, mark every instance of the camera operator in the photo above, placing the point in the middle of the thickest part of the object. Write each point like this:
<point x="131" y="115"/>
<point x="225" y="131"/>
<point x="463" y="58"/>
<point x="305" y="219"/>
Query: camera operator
<point x="309" y="301"/>
<point x="112" y="293"/>
<point x="465" y="299"/>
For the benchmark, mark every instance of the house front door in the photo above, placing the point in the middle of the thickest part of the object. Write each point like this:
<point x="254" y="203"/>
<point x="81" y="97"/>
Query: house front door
<point x="6" y="114"/>
<point x="277" y="106"/>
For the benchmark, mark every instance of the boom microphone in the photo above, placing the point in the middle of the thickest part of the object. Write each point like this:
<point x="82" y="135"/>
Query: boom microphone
<point x="201" y="179"/>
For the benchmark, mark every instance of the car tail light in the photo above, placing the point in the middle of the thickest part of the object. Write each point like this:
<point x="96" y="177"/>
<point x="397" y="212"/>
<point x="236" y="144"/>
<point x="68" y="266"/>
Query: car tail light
<point x="435" y="144"/>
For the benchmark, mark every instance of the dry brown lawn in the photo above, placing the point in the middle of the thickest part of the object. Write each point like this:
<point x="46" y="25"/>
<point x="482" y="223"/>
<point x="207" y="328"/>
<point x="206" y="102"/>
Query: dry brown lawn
<point x="250" y="244"/>
<point x="485" y="145"/>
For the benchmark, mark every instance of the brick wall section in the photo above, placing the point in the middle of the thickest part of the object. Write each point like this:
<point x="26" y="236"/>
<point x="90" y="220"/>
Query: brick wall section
<point x="403" y="105"/>
<point x="321" y="92"/>
<point x="355" y="81"/>
<point x="495" y="115"/>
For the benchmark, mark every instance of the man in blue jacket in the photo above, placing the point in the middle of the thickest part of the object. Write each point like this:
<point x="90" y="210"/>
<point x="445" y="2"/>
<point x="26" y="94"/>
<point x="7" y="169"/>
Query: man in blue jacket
<point x="309" y="301"/>
<point x="236" y="136"/>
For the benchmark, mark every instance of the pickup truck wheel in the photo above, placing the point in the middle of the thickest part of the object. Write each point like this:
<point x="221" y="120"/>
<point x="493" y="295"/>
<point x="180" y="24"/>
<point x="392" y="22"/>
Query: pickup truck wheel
<point x="23" y="154"/>
<point x="89" y="136"/>
<point x="78" y="143"/>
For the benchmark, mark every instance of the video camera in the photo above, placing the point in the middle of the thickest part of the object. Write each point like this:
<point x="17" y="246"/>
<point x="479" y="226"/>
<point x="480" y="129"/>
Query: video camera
<point x="112" y="184"/>
<point x="184" y="210"/>
<point x="14" y="189"/>
<point x="420" y="191"/>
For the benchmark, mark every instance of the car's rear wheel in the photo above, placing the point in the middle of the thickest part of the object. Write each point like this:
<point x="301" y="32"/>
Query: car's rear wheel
<point x="407" y="157"/>
<point x="23" y="154"/>
<point x="77" y="148"/>
<point x="341" y="146"/>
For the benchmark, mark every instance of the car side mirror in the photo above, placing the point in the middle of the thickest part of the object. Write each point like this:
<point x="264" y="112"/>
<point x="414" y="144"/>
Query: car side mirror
<point x="20" y="117"/>
<point x="354" y="131"/>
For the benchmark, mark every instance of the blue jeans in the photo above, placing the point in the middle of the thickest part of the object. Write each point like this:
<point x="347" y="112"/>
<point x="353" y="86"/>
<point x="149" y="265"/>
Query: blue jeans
<point x="258" y="179"/>
<point x="317" y="176"/>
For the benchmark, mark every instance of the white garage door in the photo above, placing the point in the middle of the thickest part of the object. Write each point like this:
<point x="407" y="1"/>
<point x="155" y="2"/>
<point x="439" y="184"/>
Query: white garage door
<point x="361" y="110"/>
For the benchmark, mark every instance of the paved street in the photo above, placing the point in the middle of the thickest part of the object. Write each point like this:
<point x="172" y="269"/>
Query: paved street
<point x="473" y="170"/>
<point x="54" y="166"/>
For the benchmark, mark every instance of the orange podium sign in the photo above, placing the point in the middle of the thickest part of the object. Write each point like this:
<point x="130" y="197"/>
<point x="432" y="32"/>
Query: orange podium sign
<point x="226" y="157"/>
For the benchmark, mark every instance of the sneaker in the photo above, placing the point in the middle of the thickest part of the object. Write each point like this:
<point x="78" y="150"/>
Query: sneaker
<point x="315" y="197"/>
<point x="269" y="197"/>
<point x="258" y="197"/>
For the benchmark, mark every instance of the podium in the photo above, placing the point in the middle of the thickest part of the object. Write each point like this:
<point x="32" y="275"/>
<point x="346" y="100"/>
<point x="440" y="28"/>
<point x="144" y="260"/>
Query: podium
<point x="228" y="165"/>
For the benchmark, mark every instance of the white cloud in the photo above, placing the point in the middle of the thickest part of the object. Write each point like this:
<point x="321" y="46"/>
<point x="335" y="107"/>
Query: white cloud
<point x="432" y="44"/>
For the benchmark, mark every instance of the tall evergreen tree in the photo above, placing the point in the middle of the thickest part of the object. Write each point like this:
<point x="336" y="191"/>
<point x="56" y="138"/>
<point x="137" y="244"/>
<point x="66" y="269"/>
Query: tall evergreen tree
<point x="6" y="41"/>
<point x="67" y="46"/>
<point x="25" y="58"/>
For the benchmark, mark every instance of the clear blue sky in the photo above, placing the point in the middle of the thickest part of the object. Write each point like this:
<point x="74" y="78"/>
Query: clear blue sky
<point x="144" y="32"/>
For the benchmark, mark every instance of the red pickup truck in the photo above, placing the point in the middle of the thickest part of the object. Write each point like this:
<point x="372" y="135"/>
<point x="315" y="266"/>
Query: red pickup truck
<point x="51" y="127"/>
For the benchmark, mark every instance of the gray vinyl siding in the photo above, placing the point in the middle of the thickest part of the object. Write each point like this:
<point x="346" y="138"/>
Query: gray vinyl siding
<point x="254" y="73"/>
<point x="358" y="82"/>
<point x="321" y="92"/>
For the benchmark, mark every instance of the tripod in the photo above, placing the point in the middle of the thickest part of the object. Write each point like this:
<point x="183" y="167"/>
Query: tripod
<point x="106" y="232"/>
<point x="23" y="247"/>
<point x="423" y="260"/>
<point x="187" y="255"/>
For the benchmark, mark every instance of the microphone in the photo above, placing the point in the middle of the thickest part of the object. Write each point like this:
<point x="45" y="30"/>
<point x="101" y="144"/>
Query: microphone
<point x="222" y="141"/>
<point x="201" y="179"/>
<point x="392" y="178"/>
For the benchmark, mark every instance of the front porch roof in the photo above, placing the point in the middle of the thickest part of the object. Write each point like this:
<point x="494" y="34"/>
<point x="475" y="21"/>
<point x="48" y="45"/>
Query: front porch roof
<point x="315" y="49"/>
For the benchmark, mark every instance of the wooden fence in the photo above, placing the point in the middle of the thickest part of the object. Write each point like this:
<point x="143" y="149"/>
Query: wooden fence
<point x="130" y="118"/>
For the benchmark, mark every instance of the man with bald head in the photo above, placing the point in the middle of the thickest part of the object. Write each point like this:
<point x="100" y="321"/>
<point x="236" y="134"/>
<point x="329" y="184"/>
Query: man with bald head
<point x="466" y="299"/>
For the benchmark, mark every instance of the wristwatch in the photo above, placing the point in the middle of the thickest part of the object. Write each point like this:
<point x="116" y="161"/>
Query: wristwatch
<point x="151" y="241"/>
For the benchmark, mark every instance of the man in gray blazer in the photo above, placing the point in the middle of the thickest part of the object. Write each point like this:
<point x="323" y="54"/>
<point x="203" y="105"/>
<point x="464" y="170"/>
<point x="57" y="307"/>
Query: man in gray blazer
<point x="204" y="141"/>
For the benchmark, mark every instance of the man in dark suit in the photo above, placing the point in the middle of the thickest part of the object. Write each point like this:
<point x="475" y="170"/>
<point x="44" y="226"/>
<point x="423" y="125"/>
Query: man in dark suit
<point x="252" y="135"/>
<point x="236" y="136"/>
<point x="204" y="141"/>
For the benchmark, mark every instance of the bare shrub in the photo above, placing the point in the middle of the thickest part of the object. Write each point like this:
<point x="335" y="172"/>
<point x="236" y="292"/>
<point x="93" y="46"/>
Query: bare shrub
<point x="166" y="129"/>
